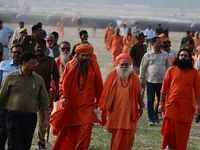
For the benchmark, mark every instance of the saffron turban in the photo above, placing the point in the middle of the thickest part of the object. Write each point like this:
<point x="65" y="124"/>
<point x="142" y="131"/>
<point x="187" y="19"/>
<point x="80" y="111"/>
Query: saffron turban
<point x="84" y="48"/>
<point x="123" y="56"/>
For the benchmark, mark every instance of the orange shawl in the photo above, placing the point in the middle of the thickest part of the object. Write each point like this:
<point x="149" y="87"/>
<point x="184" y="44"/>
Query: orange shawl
<point x="109" y="83"/>
<point x="55" y="119"/>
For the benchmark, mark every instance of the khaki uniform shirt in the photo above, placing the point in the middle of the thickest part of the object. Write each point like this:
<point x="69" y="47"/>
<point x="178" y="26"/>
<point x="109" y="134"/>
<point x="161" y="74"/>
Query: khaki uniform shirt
<point x="29" y="43"/>
<point x="137" y="52"/>
<point x="46" y="68"/>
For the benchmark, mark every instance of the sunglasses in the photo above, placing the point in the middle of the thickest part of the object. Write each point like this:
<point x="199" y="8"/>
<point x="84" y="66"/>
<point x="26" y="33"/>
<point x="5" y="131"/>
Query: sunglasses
<point x="49" y="40"/>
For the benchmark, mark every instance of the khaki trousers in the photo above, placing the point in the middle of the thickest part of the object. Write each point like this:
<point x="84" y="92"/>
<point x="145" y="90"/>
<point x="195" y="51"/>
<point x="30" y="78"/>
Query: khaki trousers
<point x="41" y="131"/>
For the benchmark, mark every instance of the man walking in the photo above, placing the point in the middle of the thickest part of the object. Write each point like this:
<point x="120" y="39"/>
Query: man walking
<point x="159" y="30"/>
<point x="107" y="35"/>
<point x="47" y="69"/>
<point x="83" y="37"/>
<point x="7" y="67"/>
<point x="185" y="40"/>
<point x="61" y="62"/>
<point x="149" y="33"/>
<point x="136" y="29"/>
<point x="154" y="64"/>
<point x="23" y="94"/>
<point x="179" y="82"/>
<point x="29" y="41"/>
<point x="80" y="90"/>
<point x="136" y="53"/>
<point x="52" y="51"/>
<point x="123" y="30"/>
<point x="121" y="98"/>
<point x="5" y="34"/>
<point x="16" y="34"/>
<point x="116" y="45"/>
<point x="128" y="40"/>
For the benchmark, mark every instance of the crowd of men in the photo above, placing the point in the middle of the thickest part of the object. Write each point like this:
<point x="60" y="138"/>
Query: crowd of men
<point x="47" y="83"/>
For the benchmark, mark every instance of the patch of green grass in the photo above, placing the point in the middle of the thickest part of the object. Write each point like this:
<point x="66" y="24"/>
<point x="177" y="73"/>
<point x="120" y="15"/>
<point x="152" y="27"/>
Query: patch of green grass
<point x="100" y="138"/>
<point x="146" y="137"/>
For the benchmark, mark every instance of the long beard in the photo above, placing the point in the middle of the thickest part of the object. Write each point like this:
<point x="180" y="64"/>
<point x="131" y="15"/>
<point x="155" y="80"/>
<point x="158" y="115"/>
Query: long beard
<point x="183" y="64"/>
<point x="123" y="73"/>
<point x="64" y="58"/>
<point x="83" y="65"/>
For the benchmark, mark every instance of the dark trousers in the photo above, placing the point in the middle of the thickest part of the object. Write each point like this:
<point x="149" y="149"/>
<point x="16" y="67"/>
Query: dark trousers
<point x="20" y="129"/>
<point x="3" y="130"/>
<point x="148" y="41"/>
<point x="153" y="88"/>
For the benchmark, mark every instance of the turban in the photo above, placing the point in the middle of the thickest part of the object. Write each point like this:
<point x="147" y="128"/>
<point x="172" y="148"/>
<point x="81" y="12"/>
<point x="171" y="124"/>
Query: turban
<point x="22" y="30"/>
<point x="84" y="48"/>
<point x="123" y="56"/>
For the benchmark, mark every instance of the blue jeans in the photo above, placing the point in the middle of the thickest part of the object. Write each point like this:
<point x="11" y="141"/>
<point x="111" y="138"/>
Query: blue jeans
<point x="148" y="41"/>
<point x="153" y="88"/>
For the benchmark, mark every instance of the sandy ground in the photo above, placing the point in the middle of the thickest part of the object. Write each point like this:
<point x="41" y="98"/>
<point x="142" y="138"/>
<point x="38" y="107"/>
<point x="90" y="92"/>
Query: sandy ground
<point x="104" y="57"/>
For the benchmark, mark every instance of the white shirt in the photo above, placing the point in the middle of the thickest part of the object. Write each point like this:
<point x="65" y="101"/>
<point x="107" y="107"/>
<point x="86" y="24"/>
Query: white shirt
<point x="149" y="33"/>
<point x="16" y="34"/>
<point x="197" y="66"/>
<point x="123" y="31"/>
<point x="154" y="66"/>
<point x="51" y="52"/>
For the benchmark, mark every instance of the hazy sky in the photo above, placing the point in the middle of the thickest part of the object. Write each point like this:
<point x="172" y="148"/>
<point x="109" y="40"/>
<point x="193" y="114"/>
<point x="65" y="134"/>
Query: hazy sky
<point x="179" y="9"/>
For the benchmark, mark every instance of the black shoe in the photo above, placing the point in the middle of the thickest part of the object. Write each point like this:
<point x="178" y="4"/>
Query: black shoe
<point x="41" y="146"/>
<point x="157" y="120"/>
<point x="197" y="119"/>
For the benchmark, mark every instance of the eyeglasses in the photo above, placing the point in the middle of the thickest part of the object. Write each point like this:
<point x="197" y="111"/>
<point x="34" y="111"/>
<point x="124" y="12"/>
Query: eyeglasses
<point x="16" y="52"/>
<point x="183" y="55"/>
<point x="49" y="40"/>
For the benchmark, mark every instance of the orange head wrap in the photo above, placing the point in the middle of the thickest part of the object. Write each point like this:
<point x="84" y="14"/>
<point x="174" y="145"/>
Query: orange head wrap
<point x="84" y="48"/>
<point x="123" y="56"/>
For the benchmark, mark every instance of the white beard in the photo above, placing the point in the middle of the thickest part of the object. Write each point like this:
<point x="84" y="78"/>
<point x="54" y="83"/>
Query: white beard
<point x="48" y="45"/>
<point x="64" y="58"/>
<point x="123" y="72"/>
